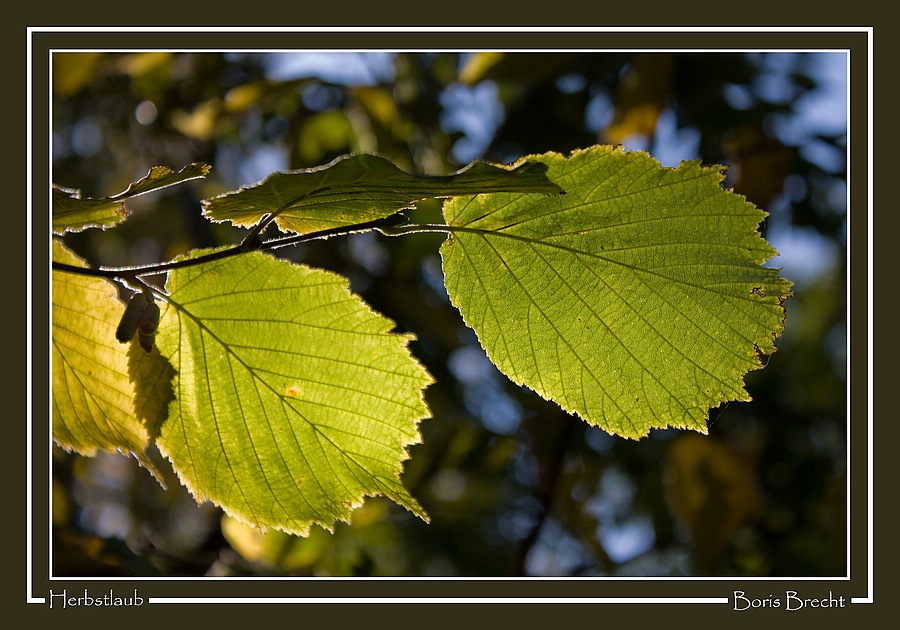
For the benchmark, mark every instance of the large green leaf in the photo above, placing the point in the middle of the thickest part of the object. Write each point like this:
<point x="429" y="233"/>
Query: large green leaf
<point x="293" y="399"/>
<point x="358" y="188"/>
<point x="93" y="384"/>
<point x="636" y="300"/>
<point x="72" y="213"/>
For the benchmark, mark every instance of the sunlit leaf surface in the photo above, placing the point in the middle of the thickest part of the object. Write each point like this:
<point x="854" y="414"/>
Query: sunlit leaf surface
<point x="636" y="300"/>
<point x="293" y="399"/>
<point x="93" y="390"/>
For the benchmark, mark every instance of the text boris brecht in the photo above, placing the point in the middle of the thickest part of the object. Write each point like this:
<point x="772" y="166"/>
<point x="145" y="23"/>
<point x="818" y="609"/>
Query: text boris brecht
<point x="791" y="601"/>
<point x="65" y="599"/>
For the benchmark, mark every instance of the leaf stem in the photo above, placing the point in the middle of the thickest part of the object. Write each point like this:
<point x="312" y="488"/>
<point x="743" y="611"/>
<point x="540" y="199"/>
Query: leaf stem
<point x="414" y="228"/>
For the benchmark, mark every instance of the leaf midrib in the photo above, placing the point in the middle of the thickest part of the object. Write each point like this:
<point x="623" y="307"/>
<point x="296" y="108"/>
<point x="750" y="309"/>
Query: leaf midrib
<point x="199" y="322"/>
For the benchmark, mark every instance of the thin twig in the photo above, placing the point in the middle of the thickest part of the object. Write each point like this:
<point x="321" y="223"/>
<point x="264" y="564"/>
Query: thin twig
<point x="243" y="247"/>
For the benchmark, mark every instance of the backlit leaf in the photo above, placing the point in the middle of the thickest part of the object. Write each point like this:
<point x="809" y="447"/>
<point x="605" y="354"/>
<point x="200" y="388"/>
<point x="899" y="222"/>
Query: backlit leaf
<point x="636" y="300"/>
<point x="293" y="399"/>
<point x="93" y="380"/>
<point x="72" y="213"/>
<point x="358" y="188"/>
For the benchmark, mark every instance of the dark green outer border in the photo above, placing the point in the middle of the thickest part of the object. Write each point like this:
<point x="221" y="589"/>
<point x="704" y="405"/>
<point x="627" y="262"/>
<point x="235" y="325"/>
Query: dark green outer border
<point x="407" y="589"/>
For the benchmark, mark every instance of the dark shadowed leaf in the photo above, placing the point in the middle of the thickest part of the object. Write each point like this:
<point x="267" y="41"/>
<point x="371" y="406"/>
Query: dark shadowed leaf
<point x="358" y="188"/>
<point x="71" y="213"/>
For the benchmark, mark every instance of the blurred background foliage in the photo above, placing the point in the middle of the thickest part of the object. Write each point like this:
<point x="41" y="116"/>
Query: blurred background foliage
<point x="513" y="485"/>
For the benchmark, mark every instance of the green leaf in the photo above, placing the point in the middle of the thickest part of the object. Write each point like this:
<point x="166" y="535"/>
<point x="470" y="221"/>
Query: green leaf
<point x="71" y="213"/>
<point x="635" y="300"/>
<point x="358" y="188"/>
<point x="160" y="177"/>
<point x="93" y="380"/>
<point x="293" y="399"/>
